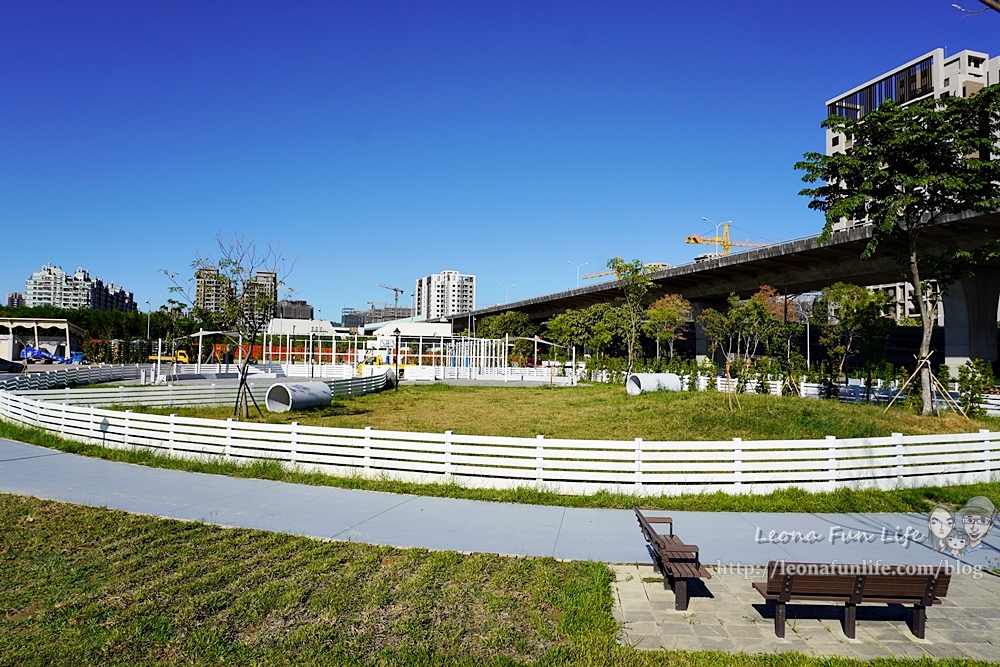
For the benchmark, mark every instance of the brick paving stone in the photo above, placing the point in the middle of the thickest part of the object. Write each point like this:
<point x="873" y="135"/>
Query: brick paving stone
<point x="984" y="651"/>
<point x="736" y="622"/>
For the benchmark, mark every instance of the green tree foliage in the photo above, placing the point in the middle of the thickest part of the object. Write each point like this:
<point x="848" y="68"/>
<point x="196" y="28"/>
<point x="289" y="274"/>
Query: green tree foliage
<point x="512" y="323"/>
<point x="509" y="323"/>
<point x="668" y="318"/>
<point x="746" y="330"/>
<point x="975" y="377"/>
<point x="907" y="168"/>
<point x="597" y="327"/>
<point x="114" y="336"/>
<point x="853" y="323"/>
<point x="633" y="278"/>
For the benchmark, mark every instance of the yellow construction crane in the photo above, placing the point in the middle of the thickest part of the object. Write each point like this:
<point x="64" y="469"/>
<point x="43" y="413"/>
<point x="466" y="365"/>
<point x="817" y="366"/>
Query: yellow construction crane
<point x="722" y="240"/>
<point x="652" y="266"/>
<point x="397" y="291"/>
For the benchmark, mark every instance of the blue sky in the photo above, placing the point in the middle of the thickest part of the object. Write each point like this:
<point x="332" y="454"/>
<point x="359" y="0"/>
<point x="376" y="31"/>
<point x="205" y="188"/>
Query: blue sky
<point x="383" y="141"/>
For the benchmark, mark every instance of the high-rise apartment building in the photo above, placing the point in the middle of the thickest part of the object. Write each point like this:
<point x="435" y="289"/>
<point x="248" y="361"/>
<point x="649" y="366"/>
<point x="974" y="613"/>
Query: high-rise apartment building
<point x="213" y="290"/>
<point x="445" y="293"/>
<point x="53" y="286"/>
<point x="932" y="75"/>
<point x="15" y="299"/>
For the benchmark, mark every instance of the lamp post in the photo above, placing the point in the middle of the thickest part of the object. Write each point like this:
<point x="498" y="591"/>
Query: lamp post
<point x="717" y="225"/>
<point x="568" y="261"/>
<point x="147" y="319"/>
<point x="506" y="291"/>
<point x="396" y="334"/>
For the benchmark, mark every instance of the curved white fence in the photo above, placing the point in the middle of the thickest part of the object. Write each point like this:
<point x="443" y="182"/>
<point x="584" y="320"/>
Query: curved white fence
<point x="565" y="466"/>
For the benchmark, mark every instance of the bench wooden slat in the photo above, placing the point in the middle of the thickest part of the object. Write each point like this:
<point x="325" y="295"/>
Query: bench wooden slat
<point x="676" y="561"/>
<point x="852" y="585"/>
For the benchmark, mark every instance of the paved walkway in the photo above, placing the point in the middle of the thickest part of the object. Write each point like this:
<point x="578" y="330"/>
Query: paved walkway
<point x="726" y="539"/>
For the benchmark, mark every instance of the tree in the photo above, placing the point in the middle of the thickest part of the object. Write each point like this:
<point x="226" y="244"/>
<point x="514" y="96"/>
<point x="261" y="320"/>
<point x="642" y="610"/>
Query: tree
<point x="244" y="304"/>
<point x="635" y="284"/>
<point x="668" y="318"/>
<point x="745" y="329"/>
<point x="513" y="323"/>
<point x="908" y="167"/>
<point x="854" y="322"/>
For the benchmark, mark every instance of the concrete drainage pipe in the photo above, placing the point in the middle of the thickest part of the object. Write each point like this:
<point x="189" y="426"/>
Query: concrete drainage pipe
<point x="285" y="396"/>
<point x="640" y="382"/>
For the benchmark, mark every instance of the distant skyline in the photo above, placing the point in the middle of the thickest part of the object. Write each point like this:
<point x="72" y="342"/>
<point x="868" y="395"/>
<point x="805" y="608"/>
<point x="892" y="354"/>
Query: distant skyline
<point x="384" y="142"/>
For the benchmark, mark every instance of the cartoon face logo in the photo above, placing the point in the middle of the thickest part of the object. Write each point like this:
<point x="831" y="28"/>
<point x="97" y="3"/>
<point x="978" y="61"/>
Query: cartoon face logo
<point x="940" y="523"/>
<point x="956" y="541"/>
<point x="978" y="517"/>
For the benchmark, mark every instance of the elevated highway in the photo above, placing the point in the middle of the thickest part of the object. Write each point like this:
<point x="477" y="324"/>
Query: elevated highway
<point x="805" y="265"/>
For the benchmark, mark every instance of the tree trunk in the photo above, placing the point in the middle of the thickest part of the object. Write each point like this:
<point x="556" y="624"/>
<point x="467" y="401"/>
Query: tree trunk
<point x="927" y="324"/>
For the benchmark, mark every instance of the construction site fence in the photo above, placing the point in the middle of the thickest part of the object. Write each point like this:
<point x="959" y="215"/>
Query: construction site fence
<point x="558" y="465"/>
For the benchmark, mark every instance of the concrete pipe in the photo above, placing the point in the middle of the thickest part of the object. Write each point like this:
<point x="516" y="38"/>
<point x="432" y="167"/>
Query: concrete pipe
<point x="640" y="382"/>
<point x="285" y="396"/>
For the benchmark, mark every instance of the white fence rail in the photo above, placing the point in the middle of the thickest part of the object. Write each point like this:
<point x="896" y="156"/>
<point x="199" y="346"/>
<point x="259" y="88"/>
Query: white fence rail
<point x="72" y="375"/>
<point x="565" y="466"/>
<point x="184" y="395"/>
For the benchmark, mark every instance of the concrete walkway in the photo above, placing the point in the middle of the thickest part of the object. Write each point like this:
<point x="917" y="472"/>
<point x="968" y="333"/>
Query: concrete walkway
<point x="728" y="540"/>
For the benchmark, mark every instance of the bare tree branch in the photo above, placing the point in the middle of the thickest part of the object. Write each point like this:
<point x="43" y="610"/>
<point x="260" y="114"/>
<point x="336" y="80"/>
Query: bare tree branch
<point x="990" y="4"/>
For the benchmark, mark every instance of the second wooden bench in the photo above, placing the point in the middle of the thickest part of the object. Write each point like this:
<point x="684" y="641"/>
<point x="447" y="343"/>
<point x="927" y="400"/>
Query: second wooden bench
<point x="677" y="562"/>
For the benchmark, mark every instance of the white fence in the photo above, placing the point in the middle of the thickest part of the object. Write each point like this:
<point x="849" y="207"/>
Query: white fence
<point x="183" y="394"/>
<point x="565" y="466"/>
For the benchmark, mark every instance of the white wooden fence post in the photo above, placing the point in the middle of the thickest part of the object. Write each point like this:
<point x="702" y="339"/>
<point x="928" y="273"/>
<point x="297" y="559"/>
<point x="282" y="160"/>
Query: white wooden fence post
<point x="62" y="420"/>
<point x="227" y="453"/>
<point x="128" y="424"/>
<point x="897" y="449"/>
<point x="831" y="459"/>
<point x="173" y="416"/>
<point x="368" y="448"/>
<point x="738" y="461"/>
<point x="987" y="453"/>
<point x="539" y="457"/>
<point x="638" y="463"/>
<point x="295" y="426"/>
<point x="447" y="454"/>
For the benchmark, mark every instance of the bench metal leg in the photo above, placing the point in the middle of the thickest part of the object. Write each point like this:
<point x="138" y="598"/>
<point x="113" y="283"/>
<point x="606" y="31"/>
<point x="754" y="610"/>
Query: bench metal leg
<point x="779" y="619"/>
<point x="919" y="621"/>
<point x="680" y="594"/>
<point x="850" y="619"/>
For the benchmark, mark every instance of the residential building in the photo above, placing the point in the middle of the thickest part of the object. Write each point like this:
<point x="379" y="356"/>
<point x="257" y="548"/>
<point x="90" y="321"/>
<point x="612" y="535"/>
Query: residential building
<point x="352" y="318"/>
<point x="289" y="309"/>
<point x="213" y="290"/>
<point x="446" y="293"/>
<point x="52" y="286"/>
<point x="932" y="75"/>
<point x="15" y="299"/>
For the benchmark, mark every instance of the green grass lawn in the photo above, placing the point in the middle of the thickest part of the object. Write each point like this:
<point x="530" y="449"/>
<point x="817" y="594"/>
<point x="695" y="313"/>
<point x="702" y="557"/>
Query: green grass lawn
<point x="591" y="412"/>
<point x="85" y="586"/>
<point x="606" y="412"/>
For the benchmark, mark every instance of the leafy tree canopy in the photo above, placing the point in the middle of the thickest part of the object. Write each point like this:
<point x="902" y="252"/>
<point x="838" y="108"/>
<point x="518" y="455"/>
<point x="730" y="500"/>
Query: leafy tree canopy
<point x="904" y="169"/>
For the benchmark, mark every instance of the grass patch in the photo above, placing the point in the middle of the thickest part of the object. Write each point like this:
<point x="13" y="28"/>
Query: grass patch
<point x="606" y="412"/>
<point x="86" y="586"/>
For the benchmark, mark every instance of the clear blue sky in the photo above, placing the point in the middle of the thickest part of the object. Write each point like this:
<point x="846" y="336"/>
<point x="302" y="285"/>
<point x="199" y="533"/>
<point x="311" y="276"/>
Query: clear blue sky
<point x="383" y="141"/>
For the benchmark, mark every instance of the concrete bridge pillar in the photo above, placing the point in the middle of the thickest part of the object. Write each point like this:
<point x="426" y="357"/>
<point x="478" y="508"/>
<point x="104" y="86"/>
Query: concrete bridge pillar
<point x="970" y="319"/>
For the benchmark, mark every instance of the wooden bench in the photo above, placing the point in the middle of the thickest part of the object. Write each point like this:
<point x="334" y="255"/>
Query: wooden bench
<point x="677" y="562"/>
<point x="921" y="586"/>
